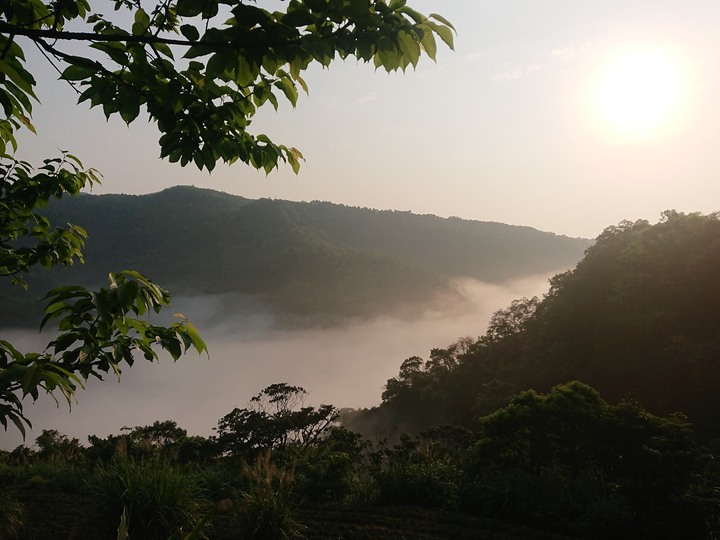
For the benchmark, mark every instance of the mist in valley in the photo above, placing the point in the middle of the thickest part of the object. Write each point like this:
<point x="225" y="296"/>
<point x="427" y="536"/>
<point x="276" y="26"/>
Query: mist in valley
<point x="346" y="365"/>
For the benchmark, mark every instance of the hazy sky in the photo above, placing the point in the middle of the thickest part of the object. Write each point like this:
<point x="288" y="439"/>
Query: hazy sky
<point x="566" y="116"/>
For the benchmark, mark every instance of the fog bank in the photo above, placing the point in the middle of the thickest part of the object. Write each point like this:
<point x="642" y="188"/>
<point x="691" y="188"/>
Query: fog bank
<point x="346" y="365"/>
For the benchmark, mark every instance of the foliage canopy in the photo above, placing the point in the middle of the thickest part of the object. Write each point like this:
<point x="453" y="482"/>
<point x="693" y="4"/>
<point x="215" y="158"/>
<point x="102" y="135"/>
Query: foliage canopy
<point x="202" y="80"/>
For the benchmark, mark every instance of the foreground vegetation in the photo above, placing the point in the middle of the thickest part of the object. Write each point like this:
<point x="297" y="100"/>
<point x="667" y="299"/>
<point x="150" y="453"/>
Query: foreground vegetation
<point x="563" y="463"/>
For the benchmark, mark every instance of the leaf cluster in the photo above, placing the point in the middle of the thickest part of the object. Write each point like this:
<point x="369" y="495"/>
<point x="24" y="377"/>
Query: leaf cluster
<point x="98" y="331"/>
<point x="202" y="68"/>
<point x="26" y="236"/>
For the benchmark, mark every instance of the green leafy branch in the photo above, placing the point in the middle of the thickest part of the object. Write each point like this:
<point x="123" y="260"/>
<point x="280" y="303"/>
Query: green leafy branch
<point x="204" y="108"/>
<point x="98" y="332"/>
<point x="26" y="237"/>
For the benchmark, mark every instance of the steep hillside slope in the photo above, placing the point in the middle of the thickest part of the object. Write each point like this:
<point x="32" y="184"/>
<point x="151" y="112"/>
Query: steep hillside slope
<point x="636" y="319"/>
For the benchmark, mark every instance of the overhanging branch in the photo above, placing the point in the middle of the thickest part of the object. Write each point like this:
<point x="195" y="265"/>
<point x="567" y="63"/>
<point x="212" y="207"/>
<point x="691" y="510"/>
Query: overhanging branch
<point x="38" y="33"/>
<point x="147" y="39"/>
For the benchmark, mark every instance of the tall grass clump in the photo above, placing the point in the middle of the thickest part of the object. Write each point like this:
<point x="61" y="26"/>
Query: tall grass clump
<point x="267" y="507"/>
<point x="160" y="499"/>
<point x="11" y="515"/>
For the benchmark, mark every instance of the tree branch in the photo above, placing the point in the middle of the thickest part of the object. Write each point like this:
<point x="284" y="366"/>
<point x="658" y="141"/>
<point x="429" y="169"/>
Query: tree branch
<point x="79" y="60"/>
<point x="36" y="34"/>
<point x="147" y="39"/>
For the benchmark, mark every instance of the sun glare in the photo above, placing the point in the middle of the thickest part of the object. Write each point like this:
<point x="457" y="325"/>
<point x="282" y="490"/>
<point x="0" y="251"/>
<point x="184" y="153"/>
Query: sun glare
<point x="639" y="92"/>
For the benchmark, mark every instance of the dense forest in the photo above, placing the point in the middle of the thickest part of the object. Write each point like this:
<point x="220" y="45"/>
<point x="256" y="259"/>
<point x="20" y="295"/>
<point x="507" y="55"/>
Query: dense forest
<point x="636" y="319"/>
<point x="303" y="261"/>
<point x="588" y="413"/>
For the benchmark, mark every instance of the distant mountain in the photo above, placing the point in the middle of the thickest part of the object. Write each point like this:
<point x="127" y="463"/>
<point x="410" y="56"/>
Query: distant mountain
<point x="318" y="260"/>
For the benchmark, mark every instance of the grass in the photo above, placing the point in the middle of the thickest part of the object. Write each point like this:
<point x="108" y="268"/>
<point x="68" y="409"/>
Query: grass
<point x="53" y="517"/>
<point x="61" y="511"/>
<point x="161" y="499"/>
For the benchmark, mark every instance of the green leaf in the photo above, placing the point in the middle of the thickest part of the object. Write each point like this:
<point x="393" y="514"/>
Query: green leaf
<point x="359" y="8"/>
<point x="317" y="5"/>
<point x="414" y="15"/>
<point x="129" y="105"/>
<point x="115" y="50"/>
<point x="190" y="32"/>
<point x="194" y="336"/>
<point x="142" y="22"/>
<point x="31" y="378"/>
<point x="127" y="293"/>
<point x="19" y="75"/>
<point x="189" y="8"/>
<point x="302" y="83"/>
<point x="246" y="71"/>
<point x="219" y="63"/>
<point x="297" y="19"/>
<point x="428" y="41"/>
<point x="409" y="47"/>
<point x="388" y="55"/>
<point x="18" y="423"/>
<point x="441" y="19"/>
<point x="7" y="103"/>
<point x="445" y="34"/>
<point x="288" y="88"/>
<point x="173" y="346"/>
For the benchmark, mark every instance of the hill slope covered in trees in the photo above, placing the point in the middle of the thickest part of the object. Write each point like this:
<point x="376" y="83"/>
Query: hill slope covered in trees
<point x="636" y="319"/>
<point x="298" y="259"/>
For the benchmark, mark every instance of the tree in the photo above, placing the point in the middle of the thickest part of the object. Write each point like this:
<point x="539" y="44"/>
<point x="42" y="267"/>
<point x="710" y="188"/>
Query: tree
<point x="200" y="69"/>
<point x="511" y="320"/>
<point x="276" y="420"/>
<point x="571" y="455"/>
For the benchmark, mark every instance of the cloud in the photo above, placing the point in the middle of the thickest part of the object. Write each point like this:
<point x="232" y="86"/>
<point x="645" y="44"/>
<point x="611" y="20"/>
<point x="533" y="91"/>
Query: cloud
<point x="368" y="98"/>
<point x="570" y="52"/>
<point x="518" y="73"/>
<point x="478" y="55"/>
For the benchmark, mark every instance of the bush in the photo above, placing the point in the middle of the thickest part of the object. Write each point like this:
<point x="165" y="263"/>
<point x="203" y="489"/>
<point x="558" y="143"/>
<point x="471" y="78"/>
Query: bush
<point x="11" y="515"/>
<point x="268" y="511"/>
<point x="432" y="483"/>
<point x="161" y="499"/>
<point x="60" y="477"/>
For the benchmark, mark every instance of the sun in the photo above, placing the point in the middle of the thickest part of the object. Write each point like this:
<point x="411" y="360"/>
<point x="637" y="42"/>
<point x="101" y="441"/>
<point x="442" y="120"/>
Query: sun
<point x="639" y="92"/>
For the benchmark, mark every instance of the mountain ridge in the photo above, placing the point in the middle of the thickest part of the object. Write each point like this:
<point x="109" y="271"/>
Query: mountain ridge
<point x="304" y="259"/>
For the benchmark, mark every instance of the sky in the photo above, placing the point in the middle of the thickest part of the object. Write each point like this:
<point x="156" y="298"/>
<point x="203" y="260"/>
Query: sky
<point x="565" y="116"/>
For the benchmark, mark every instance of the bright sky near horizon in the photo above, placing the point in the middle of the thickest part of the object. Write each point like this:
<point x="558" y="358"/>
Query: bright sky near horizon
<point x="565" y="116"/>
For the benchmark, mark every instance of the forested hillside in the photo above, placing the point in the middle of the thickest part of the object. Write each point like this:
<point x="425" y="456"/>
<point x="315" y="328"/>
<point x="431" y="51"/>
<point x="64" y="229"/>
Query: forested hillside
<point x="297" y="259"/>
<point x="636" y="319"/>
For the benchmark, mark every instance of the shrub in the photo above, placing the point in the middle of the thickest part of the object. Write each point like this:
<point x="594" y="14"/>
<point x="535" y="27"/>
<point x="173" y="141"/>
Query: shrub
<point x="268" y="511"/>
<point x="161" y="499"/>
<point x="11" y="515"/>
<point x="432" y="483"/>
